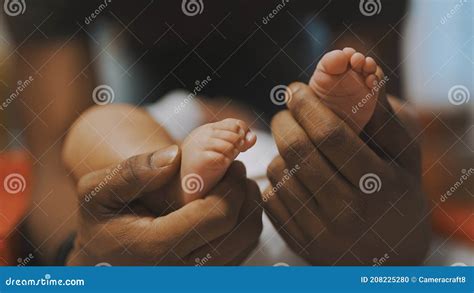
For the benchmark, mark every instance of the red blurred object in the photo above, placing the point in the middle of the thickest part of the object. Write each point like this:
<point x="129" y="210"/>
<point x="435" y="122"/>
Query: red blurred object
<point x="446" y="157"/>
<point x="455" y="219"/>
<point x="15" y="186"/>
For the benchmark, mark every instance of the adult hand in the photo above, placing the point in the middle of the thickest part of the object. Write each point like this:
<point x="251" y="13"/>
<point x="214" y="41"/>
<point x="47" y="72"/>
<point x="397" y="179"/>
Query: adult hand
<point x="116" y="228"/>
<point x="339" y="199"/>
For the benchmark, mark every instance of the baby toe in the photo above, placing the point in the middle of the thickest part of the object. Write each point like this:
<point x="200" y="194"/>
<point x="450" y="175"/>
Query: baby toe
<point x="349" y="52"/>
<point x="222" y="147"/>
<point x="370" y="66"/>
<point x="334" y="62"/>
<point x="235" y="135"/>
<point x="235" y="125"/>
<point x="248" y="142"/>
<point x="371" y="81"/>
<point x="357" y="62"/>
<point x="227" y="135"/>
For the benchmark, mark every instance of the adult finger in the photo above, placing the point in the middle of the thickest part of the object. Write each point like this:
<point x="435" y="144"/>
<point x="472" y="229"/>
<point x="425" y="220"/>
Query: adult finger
<point x="339" y="144"/>
<point x="299" y="202"/>
<point x="197" y="223"/>
<point x="243" y="256"/>
<point x="113" y="188"/>
<point x="388" y="132"/>
<point x="231" y="246"/>
<point x="277" y="170"/>
<point x="279" y="215"/>
<point x="284" y="224"/>
<point x="314" y="170"/>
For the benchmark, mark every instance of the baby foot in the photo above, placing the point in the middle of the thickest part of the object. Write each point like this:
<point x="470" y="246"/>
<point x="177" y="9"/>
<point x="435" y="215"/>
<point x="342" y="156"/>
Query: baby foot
<point x="343" y="79"/>
<point x="207" y="153"/>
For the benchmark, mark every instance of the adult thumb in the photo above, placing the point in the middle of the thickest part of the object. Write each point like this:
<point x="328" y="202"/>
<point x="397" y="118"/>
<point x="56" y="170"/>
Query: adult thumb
<point x="130" y="179"/>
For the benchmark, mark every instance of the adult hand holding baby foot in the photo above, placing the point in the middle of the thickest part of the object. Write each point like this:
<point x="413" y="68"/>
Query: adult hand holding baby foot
<point x="325" y="211"/>
<point x="117" y="228"/>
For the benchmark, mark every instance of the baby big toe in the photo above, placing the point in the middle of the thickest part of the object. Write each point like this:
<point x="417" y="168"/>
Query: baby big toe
<point x="349" y="52"/>
<point x="334" y="62"/>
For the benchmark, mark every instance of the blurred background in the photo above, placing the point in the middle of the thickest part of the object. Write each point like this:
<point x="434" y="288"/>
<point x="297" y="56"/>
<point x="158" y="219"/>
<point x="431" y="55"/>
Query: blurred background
<point x="438" y="68"/>
<point x="435" y="72"/>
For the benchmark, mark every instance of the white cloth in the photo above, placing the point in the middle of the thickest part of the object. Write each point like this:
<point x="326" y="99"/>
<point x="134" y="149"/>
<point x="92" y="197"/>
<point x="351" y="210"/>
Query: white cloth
<point x="178" y="112"/>
<point x="179" y="115"/>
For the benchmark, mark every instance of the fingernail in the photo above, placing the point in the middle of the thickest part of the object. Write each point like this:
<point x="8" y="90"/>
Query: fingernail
<point x="249" y="136"/>
<point x="241" y="143"/>
<point x="294" y="88"/>
<point x="164" y="157"/>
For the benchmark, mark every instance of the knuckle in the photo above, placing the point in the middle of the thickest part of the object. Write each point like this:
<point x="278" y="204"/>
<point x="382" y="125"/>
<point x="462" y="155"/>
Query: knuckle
<point x="237" y="171"/>
<point x="230" y="219"/>
<point x="224" y="217"/>
<point x="131" y="170"/>
<point x="296" y="149"/>
<point x="274" y="168"/>
<point x="332" y="133"/>
<point x="298" y="97"/>
<point x="279" y="118"/>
